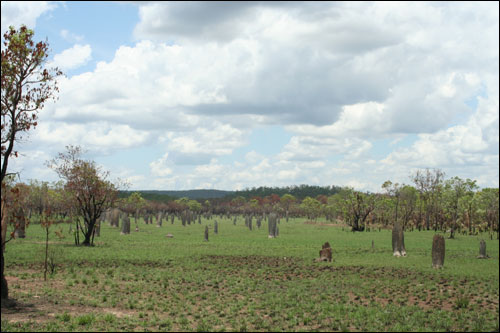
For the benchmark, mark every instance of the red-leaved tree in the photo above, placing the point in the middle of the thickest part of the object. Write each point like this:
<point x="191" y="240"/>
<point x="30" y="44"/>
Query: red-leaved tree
<point x="90" y="190"/>
<point x="26" y="87"/>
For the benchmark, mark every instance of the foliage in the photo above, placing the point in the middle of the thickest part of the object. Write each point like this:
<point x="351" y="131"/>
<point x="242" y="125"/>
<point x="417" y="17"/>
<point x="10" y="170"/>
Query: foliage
<point x="157" y="196"/>
<point x="26" y="87"/>
<point x="300" y="192"/>
<point x="88" y="187"/>
<point x="311" y="207"/>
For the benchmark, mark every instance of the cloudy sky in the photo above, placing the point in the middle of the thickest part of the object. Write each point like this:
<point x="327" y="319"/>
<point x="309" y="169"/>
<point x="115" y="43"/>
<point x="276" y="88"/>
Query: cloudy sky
<point x="240" y="94"/>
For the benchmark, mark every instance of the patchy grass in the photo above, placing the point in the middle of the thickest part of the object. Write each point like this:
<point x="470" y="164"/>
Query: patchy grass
<point x="242" y="281"/>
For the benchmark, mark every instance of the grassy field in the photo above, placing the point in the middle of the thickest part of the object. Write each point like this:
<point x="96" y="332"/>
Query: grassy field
<point x="242" y="281"/>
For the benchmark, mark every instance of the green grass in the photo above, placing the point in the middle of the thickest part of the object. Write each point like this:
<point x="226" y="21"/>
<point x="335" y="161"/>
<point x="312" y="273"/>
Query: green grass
<point x="240" y="280"/>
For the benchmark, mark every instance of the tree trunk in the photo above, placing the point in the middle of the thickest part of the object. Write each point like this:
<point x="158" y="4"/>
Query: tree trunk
<point x="88" y="235"/>
<point x="5" y="289"/>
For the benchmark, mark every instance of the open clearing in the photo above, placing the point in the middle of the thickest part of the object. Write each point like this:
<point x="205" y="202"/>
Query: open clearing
<point x="242" y="281"/>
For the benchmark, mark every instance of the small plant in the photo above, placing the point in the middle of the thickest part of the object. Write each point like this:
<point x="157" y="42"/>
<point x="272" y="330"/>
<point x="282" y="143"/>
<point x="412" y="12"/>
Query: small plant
<point x="462" y="302"/>
<point x="165" y="324"/>
<point x="85" y="320"/>
<point x="203" y="326"/>
<point x="65" y="317"/>
<point x="109" y="318"/>
<point x="52" y="261"/>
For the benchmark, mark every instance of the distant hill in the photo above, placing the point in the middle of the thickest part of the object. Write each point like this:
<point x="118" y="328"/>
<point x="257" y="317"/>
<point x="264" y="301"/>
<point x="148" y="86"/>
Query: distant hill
<point x="166" y="196"/>
<point x="194" y="194"/>
<point x="300" y="192"/>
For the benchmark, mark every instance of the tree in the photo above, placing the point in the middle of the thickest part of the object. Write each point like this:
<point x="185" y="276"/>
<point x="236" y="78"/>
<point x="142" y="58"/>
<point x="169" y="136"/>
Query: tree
<point x="311" y="207"/>
<point x="408" y="201"/>
<point x="26" y="86"/>
<point x="394" y="191"/>
<point x="358" y="207"/>
<point x="88" y="186"/>
<point x="287" y="200"/>
<point x="429" y="185"/>
<point x="489" y="208"/>
<point x="455" y="191"/>
<point x="404" y="200"/>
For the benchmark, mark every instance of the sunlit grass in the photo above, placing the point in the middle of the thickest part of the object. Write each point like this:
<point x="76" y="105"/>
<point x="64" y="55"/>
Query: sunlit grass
<point x="240" y="280"/>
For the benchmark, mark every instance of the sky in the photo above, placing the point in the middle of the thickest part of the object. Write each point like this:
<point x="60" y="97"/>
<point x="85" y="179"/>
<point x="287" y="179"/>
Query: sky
<point x="235" y="95"/>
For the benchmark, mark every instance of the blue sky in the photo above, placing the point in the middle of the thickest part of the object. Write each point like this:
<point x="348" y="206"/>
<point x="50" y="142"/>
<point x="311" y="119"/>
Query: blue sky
<point x="239" y="94"/>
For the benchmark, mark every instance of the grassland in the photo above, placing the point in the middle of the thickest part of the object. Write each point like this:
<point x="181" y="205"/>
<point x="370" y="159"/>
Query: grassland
<point x="240" y="280"/>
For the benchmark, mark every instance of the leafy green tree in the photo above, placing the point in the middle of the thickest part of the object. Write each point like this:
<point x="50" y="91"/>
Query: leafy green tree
<point x="408" y="201"/>
<point x="429" y="185"/>
<point x="393" y="190"/>
<point x="287" y="200"/>
<point x="311" y="207"/>
<point x="488" y="208"/>
<point x="359" y="206"/>
<point x="402" y="199"/>
<point x="194" y="206"/>
<point x="335" y="206"/>
<point x="454" y="192"/>
<point x="383" y="212"/>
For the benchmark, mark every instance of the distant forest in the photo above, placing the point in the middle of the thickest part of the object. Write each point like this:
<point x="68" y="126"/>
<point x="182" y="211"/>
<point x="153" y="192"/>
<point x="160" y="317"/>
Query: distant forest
<point x="166" y="196"/>
<point x="298" y="191"/>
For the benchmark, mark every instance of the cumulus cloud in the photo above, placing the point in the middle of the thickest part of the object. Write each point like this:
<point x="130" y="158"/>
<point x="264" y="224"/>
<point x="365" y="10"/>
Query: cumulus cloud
<point x="217" y="141"/>
<point x="73" y="57"/>
<point x="159" y="167"/>
<point x="16" y="13"/>
<point x="98" y="136"/>
<point x="471" y="148"/>
<point x="202" y="76"/>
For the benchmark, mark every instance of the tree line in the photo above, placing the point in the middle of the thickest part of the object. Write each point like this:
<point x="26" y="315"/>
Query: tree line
<point x="298" y="191"/>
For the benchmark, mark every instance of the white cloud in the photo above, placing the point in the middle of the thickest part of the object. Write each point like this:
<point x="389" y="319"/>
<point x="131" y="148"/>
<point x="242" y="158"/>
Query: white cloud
<point x="16" y="13"/>
<point x="220" y="140"/>
<point x="159" y="167"/>
<point x="73" y="57"/>
<point x="470" y="149"/>
<point x="203" y="76"/>
<point x="313" y="147"/>
<point x="98" y="136"/>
